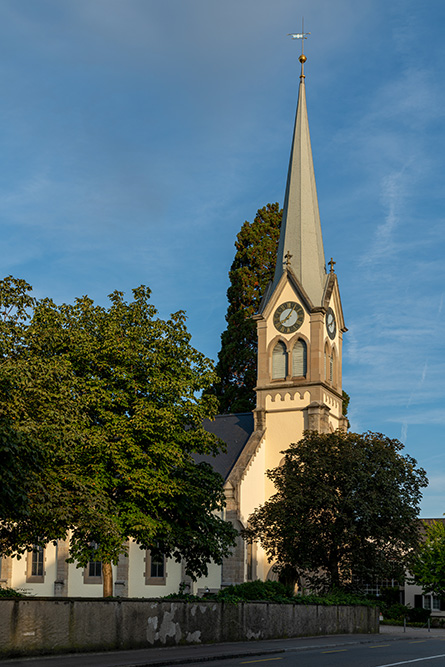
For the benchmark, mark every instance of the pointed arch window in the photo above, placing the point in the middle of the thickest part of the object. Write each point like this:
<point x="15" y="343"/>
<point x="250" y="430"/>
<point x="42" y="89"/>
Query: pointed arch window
<point x="279" y="361"/>
<point x="299" y="359"/>
<point x="331" y="366"/>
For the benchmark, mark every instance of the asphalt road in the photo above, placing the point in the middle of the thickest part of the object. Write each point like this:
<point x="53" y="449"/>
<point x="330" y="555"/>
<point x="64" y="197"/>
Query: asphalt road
<point x="402" y="652"/>
<point x="392" y="647"/>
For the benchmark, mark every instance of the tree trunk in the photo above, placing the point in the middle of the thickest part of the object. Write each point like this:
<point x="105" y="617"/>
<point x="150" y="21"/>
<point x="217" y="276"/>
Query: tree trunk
<point x="289" y="578"/>
<point x="107" y="577"/>
<point x="334" y="572"/>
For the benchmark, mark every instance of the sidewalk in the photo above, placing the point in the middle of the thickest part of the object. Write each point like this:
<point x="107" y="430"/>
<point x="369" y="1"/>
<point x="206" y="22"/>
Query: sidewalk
<point x="182" y="655"/>
<point x="397" y="631"/>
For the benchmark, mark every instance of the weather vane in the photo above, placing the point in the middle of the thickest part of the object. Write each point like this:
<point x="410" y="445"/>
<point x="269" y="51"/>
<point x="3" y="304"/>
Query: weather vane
<point x="300" y="35"/>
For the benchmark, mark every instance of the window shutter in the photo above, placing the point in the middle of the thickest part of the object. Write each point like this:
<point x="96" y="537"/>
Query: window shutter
<point x="418" y="601"/>
<point x="279" y="366"/>
<point x="299" y="359"/>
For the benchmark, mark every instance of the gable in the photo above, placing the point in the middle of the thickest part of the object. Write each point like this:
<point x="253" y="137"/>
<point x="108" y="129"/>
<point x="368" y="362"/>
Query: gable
<point x="271" y="298"/>
<point x="331" y="298"/>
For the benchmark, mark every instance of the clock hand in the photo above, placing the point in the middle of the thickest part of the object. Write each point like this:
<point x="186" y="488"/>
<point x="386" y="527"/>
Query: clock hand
<point x="286" y="318"/>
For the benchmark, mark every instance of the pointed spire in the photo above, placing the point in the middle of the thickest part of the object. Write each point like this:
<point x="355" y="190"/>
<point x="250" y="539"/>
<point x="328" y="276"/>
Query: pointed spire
<point x="300" y="229"/>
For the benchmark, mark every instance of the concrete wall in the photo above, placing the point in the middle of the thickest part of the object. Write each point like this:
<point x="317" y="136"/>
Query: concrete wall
<point x="54" y="626"/>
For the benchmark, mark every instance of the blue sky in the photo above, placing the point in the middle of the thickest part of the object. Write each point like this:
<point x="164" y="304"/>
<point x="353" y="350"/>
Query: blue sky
<point x="136" y="136"/>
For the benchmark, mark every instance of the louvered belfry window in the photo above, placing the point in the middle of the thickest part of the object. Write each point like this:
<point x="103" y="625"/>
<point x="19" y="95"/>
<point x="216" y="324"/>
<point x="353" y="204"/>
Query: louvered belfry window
<point x="299" y="359"/>
<point x="279" y="359"/>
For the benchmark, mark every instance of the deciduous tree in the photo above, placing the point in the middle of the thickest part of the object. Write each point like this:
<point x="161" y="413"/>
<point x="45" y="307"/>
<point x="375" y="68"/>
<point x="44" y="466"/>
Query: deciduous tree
<point x="38" y="416"/>
<point x="429" y="563"/>
<point x="345" y="508"/>
<point x="127" y="392"/>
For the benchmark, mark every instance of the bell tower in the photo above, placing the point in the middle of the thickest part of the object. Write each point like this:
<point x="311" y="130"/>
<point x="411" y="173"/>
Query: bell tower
<point x="300" y="322"/>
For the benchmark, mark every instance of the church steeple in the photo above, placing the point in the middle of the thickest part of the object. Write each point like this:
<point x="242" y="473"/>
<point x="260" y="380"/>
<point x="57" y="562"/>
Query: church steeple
<point x="301" y="239"/>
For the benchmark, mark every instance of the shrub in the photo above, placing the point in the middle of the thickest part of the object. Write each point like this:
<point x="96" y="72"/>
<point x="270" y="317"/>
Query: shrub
<point x="397" y="612"/>
<point x="272" y="591"/>
<point x="10" y="593"/>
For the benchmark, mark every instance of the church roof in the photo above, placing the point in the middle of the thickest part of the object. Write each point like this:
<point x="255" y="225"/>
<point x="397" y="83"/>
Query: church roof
<point x="234" y="430"/>
<point x="301" y="236"/>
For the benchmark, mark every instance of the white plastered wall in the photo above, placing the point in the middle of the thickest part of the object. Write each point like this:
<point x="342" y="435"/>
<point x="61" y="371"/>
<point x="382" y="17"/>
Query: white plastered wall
<point x="285" y="425"/>
<point x="19" y="569"/>
<point x="252" y="488"/>
<point x="252" y="495"/>
<point x="77" y="587"/>
<point x="137" y="588"/>
<point x="212" y="581"/>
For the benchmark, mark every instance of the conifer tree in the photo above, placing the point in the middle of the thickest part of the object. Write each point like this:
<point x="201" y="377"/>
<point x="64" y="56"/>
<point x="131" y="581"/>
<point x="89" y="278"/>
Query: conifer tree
<point x="252" y="269"/>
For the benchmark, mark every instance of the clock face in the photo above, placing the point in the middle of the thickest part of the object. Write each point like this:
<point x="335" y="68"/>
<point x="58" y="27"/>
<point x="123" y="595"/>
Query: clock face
<point x="288" y="317"/>
<point x="331" y="324"/>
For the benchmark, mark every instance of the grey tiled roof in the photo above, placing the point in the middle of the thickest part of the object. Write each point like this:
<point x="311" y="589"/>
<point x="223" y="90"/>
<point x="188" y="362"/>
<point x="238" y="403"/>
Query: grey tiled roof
<point x="234" y="430"/>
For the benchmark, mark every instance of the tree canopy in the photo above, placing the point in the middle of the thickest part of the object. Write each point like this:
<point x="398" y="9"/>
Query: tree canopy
<point x="101" y="411"/>
<point x="429" y="563"/>
<point x="252" y="269"/>
<point x="345" y="510"/>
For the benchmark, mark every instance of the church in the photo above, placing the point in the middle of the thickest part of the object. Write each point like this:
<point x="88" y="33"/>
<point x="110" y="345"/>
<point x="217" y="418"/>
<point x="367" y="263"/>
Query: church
<point x="300" y="327"/>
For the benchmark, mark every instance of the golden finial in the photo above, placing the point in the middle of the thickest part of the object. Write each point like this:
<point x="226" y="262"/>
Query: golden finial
<point x="302" y="60"/>
<point x="332" y="264"/>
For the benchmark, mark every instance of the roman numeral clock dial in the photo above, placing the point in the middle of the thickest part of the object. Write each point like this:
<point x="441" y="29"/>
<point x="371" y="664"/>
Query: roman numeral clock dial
<point x="288" y="317"/>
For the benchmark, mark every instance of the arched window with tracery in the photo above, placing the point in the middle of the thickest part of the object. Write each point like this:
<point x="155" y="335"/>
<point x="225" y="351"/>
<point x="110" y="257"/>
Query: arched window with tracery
<point x="299" y="359"/>
<point x="279" y="361"/>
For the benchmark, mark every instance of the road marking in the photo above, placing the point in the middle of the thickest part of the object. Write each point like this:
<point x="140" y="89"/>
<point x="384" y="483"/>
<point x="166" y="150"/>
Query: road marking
<point x="339" y="650"/>
<point x="379" y="646"/>
<point x="407" y="662"/>
<point x="419" y="641"/>
<point x="248" y="662"/>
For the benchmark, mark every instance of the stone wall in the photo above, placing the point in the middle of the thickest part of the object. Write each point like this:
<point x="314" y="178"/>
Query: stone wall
<point x="36" y="625"/>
